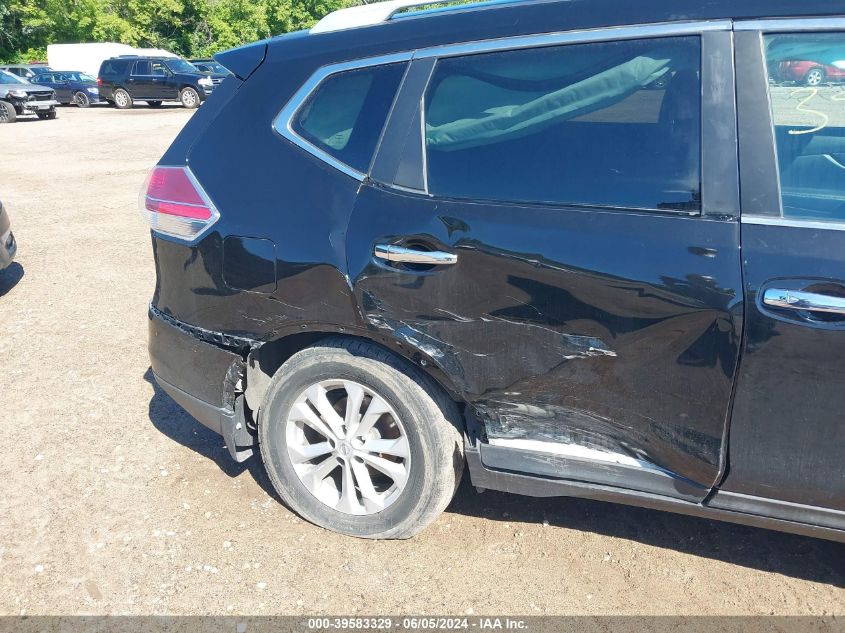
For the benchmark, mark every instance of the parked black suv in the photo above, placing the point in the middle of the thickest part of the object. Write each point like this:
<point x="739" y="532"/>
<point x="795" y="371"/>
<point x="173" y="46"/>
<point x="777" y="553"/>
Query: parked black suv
<point x="582" y="246"/>
<point x="123" y="80"/>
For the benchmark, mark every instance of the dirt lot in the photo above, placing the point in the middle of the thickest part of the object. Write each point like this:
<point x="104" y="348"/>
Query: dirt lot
<point x="112" y="500"/>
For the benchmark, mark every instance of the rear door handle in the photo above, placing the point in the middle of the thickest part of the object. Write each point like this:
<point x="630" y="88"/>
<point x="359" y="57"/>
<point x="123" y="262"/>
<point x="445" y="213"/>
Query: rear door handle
<point x="799" y="300"/>
<point x="393" y="253"/>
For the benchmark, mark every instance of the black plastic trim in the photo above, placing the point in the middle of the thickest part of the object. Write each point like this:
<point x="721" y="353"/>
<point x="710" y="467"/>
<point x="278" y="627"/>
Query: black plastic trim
<point x="542" y="487"/>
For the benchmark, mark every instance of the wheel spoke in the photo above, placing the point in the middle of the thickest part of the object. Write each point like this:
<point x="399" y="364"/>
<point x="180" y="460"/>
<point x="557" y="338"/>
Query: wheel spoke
<point x="307" y="452"/>
<point x="354" y="398"/>
<point x="348" y="498"/>
<point x="317" y="395"/>
<point x="315" y="476"/>
<point x="375" y="410"/>
<point x="301" y="412"/>
<point x="365" y="485"/>
<point x="397" y="447"/>
<point x="393" y="470"/>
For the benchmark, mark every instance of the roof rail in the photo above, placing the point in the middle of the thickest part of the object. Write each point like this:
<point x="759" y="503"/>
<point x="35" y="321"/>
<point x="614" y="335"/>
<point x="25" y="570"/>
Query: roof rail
<point x="366" y="14"/>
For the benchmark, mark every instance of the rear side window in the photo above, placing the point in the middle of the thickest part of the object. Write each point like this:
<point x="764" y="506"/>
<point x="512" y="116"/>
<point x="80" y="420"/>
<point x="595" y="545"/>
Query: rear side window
<point x="142" y="67"/>
<point x="807" y="92"/>
<point x="613" y="124"/>
<point x="345" y="115"/>
<point x="113" y="67"/>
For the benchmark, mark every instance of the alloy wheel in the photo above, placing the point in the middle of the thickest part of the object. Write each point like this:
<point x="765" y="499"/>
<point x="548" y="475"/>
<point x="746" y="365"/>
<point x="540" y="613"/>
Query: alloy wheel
<point x="81" y="100"/>
<point x="348" y="447"/>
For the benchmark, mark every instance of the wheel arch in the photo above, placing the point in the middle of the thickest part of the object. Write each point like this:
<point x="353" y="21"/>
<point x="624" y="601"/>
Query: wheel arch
<point x="263" y="361"/>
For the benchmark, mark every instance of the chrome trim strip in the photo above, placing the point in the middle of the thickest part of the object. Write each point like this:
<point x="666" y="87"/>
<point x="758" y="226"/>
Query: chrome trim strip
<point x="394" y="253"/>
<point x="643" y="31"/>
<point x="282" y="124"/>
<point x="793" y="223"/>
<point x="791" y="24"/>
<point x="801" y="300"/>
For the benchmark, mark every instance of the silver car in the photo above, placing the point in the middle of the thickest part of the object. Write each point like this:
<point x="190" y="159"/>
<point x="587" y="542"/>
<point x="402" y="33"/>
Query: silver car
<point x="18" y="97"/>
<point x="8" y="246"/>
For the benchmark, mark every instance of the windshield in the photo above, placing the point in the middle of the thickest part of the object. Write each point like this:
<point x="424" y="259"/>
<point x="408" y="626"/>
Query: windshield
<point x="9" y="78"/>
<point x="180" y="66"/>
<point x="214" y="67"/>
<point x="74" y="76"/>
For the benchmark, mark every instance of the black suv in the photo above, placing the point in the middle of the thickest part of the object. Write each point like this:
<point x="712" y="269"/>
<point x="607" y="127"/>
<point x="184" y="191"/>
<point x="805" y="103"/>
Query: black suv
<point x="123" y="80"/>
<point x="583" y="247"/>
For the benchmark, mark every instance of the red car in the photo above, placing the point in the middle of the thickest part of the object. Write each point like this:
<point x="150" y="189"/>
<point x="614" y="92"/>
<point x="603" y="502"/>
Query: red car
<point x="810" y="73"/>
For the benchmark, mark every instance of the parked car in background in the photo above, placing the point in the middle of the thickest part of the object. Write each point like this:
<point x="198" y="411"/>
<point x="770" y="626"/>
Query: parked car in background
<point x="476" y="235"/>
<point x="811" y="73"/>
<point x="8" y="246"/>
<point x="26" y="71"/>
<point x="73" y="87"/>
<point x="18" y="97"/>
<point x="123" y="80"/>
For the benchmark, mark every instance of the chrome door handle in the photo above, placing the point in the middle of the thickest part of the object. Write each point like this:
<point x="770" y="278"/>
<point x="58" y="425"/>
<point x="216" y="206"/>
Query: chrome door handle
<point x="393" y="253"/>
<point x="800" y="300"/>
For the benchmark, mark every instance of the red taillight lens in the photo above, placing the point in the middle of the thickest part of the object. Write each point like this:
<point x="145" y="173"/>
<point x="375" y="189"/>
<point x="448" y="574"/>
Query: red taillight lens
<point x="175" y="203"/>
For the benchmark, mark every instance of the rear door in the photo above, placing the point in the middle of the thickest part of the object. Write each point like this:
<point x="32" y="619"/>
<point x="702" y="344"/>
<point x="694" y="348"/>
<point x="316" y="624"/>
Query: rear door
<point x="552" y="224"/>
<point x="788" y="426"/>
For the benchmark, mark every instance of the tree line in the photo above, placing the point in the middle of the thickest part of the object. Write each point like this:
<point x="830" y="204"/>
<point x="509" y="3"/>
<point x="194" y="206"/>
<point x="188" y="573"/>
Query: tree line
<point x="192" y="28"/>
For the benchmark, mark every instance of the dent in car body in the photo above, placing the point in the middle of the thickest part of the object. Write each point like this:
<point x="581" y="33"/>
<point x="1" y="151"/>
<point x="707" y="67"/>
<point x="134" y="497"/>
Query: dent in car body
<point x="619" y="330"/>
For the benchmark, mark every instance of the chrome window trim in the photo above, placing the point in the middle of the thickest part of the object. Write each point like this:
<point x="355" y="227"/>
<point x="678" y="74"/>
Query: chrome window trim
<point x="791" y="24"/>
<point x="793" y="223"/>
<point x="282" y="123"/>
<point x="613" y="33"/>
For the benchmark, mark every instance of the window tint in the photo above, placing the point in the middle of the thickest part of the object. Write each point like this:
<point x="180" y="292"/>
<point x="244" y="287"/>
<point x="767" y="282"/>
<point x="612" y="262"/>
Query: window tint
<point x="807" y="91"/>
<point x="610" y="124"/>
<point x="113" y="67"/>
<point x="157" y="69"/>
<point x="346" y="113"/>
<point x="142" y="67"/>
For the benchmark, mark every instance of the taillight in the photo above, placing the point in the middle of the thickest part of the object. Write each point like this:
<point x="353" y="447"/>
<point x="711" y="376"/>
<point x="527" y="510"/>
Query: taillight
<point x="175" y="203"/>
<point x="99" y="81"/>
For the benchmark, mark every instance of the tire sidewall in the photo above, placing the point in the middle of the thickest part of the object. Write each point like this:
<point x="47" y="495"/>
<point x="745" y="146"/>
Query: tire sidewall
<point x="128" y="103"/>
<point x="376" y="376"/>
<point x="86" y="101"/>
<point x="9" y="109"/>
<point x="196" y="102"/>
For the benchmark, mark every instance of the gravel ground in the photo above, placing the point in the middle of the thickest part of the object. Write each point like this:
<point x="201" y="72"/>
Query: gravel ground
<point x="113" y="500"/>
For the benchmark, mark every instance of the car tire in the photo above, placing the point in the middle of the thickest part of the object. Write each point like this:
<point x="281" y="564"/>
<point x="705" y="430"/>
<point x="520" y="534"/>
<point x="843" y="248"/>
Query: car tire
<point x="154" y="104"/>
<point x="7" y="112"/>
<point x="45" y="116"/>
<point x="815" y="77"/>
<point x="405" y="463"/>
<point x="189" y="98"/>
<point x="81" y="99"/>
<point x="122" y="99"/>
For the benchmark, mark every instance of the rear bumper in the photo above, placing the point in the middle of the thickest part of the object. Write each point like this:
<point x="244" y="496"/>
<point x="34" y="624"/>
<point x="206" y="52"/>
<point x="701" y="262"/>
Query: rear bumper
<point x="201" y="377"/>
<point x="180" y="360"/>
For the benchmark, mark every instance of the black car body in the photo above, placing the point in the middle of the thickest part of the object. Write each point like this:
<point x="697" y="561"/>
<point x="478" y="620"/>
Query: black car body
<point x="18" y="97"/>
<point x="8" y="246"/>
<point x="125" y="79"/>
<point x="614" y="289"/>
<point x="71" y="86"/>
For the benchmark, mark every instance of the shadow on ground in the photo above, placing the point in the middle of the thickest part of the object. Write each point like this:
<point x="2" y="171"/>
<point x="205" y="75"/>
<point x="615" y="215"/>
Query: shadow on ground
<point x="797" y="556"/>
<point x="9" y="277"/>
<point x="172" y="420"/>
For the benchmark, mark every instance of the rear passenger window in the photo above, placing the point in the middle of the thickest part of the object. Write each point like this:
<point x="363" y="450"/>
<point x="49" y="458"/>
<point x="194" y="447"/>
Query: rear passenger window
<point x="345" y="115"/>
<point x="612" y="124"/>
<point x="141" y="68"/>
<point x="807" y="92"/>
